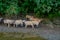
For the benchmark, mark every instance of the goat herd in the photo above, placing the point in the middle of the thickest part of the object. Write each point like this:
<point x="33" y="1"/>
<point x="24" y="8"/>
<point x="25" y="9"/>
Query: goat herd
<point x="32" y="21"/>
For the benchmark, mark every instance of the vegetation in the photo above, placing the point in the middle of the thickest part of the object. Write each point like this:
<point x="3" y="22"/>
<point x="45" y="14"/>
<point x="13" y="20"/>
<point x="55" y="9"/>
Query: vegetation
<point x="18" y="36"/>
<point x="39" y="8"/>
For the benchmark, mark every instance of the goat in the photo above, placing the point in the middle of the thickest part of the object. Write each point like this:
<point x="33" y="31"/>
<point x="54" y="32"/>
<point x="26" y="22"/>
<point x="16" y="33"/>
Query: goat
<point x="7" y="21"/>
<point x="28" y="17"/>
<point x="17" y="22"/>
<point x="28" y="23"/>
<point x="36" y="22"/>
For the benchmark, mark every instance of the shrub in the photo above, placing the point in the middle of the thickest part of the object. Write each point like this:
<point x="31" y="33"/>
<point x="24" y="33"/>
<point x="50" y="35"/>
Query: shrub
<point x="40" y="8"/>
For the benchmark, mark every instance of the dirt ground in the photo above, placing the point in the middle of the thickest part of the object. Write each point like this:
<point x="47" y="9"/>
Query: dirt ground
<point x="43" y="31"/>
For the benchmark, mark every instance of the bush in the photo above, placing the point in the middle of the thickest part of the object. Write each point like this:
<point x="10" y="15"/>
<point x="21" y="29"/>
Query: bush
<point x="40" y="8"/>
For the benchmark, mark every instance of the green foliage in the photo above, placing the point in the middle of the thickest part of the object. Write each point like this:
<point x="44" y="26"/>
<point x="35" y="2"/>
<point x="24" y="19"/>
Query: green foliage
<point x="40" y="8"/>
<point x="12" y="9"/>
<point x="47" y="8"/>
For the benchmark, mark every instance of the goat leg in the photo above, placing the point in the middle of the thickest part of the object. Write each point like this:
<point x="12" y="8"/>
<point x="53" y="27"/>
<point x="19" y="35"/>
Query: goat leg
<point x="8" y="25"/>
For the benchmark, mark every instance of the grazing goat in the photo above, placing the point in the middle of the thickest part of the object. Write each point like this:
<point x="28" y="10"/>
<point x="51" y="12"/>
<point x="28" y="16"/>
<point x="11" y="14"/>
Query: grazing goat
<point x="7" y="21"/>
<point x="17" y="22"/>
<point x="29" y="17"/>
<point x="28" y="23"/>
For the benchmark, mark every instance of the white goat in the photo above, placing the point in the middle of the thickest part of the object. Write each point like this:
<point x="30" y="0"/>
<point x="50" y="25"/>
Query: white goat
<point x="17" y="22"/>
<point x="7" y="21"/>
<point x="28" y="23"/>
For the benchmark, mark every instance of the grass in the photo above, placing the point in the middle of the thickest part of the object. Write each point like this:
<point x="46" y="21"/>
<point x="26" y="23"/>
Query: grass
<point x="19" y="36"/>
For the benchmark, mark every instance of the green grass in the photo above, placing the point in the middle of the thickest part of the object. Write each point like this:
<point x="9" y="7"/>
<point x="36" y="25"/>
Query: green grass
<point x="19" y="36"/>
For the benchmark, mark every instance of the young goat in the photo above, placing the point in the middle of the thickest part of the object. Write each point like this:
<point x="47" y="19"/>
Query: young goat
<point x="17" y="22"/>
<point x="28" y="23"/>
